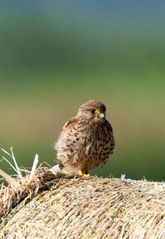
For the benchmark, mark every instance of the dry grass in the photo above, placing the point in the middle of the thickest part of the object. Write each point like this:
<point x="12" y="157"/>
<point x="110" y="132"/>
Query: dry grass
<point x="48" y="204"/>
<point x="91" y="208"/>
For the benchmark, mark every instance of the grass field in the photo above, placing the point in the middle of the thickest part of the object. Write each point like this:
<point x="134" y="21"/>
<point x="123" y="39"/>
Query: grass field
<point x="50" y="65"/>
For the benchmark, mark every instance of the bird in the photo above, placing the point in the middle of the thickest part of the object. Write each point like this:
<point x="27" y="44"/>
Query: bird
<point x="86" y="140"/>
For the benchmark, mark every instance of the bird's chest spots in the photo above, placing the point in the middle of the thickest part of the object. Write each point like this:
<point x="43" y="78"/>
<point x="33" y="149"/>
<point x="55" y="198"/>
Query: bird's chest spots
<point x="95" y="142"/>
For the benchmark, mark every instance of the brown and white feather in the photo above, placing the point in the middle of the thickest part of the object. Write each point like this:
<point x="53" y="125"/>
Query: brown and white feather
<point x="86" y="141"/>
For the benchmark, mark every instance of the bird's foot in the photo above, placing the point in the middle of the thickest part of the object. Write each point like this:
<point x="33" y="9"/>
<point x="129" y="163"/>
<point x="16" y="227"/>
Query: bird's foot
<point x="85" y="174"/>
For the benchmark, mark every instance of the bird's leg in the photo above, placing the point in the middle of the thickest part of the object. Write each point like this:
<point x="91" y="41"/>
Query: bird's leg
<point x="83" y="173"/>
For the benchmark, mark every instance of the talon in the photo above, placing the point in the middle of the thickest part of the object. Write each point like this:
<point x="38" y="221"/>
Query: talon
<point x="81" y="173"/>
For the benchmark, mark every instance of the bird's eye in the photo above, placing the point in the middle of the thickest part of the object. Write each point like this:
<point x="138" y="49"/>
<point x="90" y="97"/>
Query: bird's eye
<point x="92" y="111"/>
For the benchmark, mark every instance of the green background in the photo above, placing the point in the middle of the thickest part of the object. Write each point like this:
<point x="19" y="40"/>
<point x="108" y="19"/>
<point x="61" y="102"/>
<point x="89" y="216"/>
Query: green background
<point x="55" y="56"/>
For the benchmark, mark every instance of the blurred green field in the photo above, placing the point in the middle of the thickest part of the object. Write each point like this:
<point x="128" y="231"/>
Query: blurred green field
<point x="49" y="66"/>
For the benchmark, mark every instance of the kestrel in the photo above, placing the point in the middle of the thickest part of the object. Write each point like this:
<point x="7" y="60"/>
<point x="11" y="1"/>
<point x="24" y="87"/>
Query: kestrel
<point x="86" y="140"/>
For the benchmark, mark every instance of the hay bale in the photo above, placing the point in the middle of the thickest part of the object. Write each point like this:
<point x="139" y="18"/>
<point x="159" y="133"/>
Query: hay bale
<point x="91" y="207"/>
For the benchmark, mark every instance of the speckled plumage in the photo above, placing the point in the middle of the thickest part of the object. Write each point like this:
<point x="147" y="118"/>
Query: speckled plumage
<point x="86" y="140"/>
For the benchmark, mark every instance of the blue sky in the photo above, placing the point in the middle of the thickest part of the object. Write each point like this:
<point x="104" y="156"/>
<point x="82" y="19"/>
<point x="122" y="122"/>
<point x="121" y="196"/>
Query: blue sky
<point x="94" y="11"/>
<point x="149" y="7"/>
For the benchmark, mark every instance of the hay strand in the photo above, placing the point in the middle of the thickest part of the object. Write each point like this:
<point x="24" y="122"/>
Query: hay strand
<point x="11" y="181"/>
<point x="16" y="167"/>
<point x="34" y="167"/>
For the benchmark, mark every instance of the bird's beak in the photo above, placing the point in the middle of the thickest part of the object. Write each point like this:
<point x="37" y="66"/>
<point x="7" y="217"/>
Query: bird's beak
<point x="102" y="115"/>
<point x="99" y="114"/>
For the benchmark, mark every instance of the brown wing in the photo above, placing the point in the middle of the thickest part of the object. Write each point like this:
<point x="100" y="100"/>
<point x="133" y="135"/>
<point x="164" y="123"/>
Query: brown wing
<point x="66" y="141"/>
<point x="111" y="136"/>
<point x="70" y="123"/>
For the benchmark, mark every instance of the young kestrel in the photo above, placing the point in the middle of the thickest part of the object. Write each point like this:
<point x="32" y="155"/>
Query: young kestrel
<point x="86" y="140"/>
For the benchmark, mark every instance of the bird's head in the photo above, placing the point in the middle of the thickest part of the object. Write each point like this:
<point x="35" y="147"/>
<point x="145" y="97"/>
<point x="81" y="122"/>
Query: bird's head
<point x="92" y="109"/>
